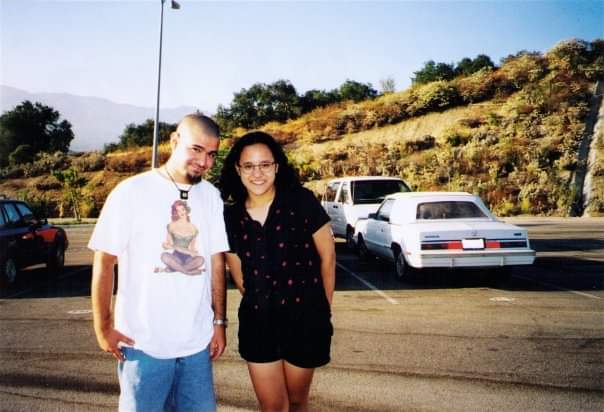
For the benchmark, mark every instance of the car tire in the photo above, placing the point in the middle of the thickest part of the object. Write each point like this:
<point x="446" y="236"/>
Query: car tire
<point x="362" y="249"/>
<point x="350" y="238"/>
<point x="56" y="260"/>
<point x="9" y="272"/>
<point x="403" y="272"/>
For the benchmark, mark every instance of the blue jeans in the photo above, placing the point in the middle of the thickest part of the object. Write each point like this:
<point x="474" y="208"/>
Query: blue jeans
<point x="149" y="384"/>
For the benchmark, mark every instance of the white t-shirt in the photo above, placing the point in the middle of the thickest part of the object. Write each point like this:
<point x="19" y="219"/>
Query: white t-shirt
<point x="164" y="254"/>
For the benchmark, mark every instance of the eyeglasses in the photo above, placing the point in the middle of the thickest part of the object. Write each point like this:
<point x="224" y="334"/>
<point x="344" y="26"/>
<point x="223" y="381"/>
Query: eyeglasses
<point x="264" y="167"/>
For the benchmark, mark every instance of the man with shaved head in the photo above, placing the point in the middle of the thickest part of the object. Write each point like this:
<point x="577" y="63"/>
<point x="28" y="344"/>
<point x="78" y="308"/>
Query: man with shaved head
<point x="165" y="229"/>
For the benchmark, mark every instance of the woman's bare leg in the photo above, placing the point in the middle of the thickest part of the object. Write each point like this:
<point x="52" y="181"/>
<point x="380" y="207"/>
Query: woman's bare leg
<point x="172" y="263"/>
<point x="269" y="384"/>
<point x="194" y="265"/>
<point x="298" y="381"/>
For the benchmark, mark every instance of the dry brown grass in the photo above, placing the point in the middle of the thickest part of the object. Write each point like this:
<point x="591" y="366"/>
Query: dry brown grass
<point x="509" y="135"/>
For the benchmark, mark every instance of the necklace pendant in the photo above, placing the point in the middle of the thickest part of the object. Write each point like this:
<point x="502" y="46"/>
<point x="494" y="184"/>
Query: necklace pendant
<point x="184" y="194"/>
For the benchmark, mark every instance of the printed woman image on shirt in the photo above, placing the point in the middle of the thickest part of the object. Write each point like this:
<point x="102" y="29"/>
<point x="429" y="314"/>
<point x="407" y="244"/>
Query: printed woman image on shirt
<point x="181" y="251"/>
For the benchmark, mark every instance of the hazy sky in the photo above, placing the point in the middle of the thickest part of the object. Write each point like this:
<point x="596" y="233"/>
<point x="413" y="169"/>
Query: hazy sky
<point x="211" y="49"/>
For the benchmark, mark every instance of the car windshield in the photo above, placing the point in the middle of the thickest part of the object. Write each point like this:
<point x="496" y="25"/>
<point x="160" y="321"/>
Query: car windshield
<point x="374" y="191"/>
<point x="449" y="210"/>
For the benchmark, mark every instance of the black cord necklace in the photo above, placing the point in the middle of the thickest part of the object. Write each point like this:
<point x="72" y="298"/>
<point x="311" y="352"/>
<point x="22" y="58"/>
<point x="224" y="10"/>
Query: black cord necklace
<point x="184" y="194"/>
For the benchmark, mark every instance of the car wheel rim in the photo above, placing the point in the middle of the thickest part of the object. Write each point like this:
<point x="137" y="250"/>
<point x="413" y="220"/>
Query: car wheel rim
<point x="10" y="271"/>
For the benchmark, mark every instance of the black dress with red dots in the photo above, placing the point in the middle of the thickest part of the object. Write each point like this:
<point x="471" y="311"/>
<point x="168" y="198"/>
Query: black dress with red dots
<point x="284" y="313"/>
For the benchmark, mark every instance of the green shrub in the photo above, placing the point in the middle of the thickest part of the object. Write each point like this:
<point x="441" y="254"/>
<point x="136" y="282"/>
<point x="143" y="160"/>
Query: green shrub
<point x="424" y="143"/>
<point x="477" y="87"/>
<point x="22" y="154"/>
<point x="46" y="163"/>
<point x="457" y="138"/>
<point x="89" y="162"/>
<point x="435" y="96"/>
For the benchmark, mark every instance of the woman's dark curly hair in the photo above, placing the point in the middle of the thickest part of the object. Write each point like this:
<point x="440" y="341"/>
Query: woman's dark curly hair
<point x="231" y="188"/>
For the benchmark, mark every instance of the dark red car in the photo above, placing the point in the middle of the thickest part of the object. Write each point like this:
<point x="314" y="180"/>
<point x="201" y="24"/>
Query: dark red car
<point x="27" y="240"/>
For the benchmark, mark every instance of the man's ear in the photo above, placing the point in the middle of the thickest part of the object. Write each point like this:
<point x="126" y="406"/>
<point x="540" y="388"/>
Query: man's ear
<point x="276" y="168"/>
<point x="174" y="138"/>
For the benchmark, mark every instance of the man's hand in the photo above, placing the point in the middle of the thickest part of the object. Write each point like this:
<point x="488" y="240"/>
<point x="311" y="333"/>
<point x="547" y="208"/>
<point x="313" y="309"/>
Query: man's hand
<point x="109" y="340"/>
<point x="218" y="342"/>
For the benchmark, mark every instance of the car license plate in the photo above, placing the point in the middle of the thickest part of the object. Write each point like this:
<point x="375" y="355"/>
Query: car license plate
<point x="472" y="243"/>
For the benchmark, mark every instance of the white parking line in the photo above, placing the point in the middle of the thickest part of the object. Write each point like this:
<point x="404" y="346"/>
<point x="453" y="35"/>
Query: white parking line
<point x="369" y="285"/>
<point x="551" y="285"/>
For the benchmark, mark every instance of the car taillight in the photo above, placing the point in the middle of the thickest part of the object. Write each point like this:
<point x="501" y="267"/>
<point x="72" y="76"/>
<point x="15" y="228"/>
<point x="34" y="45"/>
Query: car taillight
<point x="489" y="244"/>
<point x="450" y="244"/>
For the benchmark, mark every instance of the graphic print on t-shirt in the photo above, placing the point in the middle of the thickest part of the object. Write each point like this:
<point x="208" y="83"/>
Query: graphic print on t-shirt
<point x="181" y="253"/>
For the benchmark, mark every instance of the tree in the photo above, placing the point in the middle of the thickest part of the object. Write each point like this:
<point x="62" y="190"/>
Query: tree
<point x="467" y="66"/>
<point x="36" y="125"/>
<point x="260" y="104"/>
<point x="355" y="91"/>
<point x="72" y="184"/>
<point x="318" y="98"/>
<point x="387" y="85"/>
<point x="135" y="135"/>
<point x="279" y="101"/>
<point x="464" y="67"/>
<point x="432" y="72"/>
<point x="22" y="154"/>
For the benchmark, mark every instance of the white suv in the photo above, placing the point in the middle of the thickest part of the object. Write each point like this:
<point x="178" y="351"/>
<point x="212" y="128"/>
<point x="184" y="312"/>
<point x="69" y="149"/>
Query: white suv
<point x="349" y="199"/>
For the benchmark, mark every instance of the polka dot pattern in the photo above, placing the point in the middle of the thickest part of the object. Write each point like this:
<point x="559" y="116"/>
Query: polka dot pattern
<point x="279" y="260"/>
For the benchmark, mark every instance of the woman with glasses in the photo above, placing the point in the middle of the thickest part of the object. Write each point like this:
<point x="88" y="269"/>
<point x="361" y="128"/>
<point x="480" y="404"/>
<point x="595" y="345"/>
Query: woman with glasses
<point x="282" y="260"/>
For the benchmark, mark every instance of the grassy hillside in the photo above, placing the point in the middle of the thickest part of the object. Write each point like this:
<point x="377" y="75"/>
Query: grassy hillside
<point x="510" y="135"/>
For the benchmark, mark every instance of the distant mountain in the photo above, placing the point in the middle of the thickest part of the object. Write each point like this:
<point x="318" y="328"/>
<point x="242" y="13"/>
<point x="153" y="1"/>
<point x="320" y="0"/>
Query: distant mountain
<point x="95" y="121"/>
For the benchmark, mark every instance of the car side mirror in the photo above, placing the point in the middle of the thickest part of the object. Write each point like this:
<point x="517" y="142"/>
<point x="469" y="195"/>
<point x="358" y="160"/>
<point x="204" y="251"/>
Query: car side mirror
<point x="372" y="215"/>
<point x="34" y="223"/>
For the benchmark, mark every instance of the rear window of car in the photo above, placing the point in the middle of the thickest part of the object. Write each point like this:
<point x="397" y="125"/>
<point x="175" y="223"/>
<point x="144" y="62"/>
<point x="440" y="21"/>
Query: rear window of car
<point x="449" y="210"/>
<point x="11" y="212"/>
<point x="2" y="218"/>
<point x="374" y="191"/>
<point x="330" y="193"/>
<point x="26" y="212"/>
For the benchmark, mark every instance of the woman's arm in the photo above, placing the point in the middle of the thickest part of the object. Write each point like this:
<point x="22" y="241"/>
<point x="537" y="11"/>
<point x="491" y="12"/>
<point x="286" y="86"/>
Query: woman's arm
<point x="324" y="243"/>
<point x="234" y="264"/>
<point x="193" y="248"/>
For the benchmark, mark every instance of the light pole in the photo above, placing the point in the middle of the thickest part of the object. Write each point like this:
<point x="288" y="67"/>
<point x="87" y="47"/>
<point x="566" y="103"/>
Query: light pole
<point x="174" y="5"/>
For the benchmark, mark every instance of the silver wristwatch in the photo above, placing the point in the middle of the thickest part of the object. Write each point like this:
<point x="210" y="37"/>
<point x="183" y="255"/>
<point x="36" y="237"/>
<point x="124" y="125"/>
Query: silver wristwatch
<point x="221" y="322"/>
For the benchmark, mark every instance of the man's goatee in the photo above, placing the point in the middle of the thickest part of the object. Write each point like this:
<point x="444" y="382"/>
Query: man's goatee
<point x="193" y="179"/>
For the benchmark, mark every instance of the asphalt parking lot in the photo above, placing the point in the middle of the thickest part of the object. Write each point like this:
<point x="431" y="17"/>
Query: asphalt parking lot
<point x="456" y="341"/>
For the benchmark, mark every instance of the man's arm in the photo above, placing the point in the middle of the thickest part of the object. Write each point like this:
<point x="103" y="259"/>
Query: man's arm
<point x="324" y="243"/>
<point x="218" y="342"/>
<point x="235" y="269"/>
<point x="102" y="292"/>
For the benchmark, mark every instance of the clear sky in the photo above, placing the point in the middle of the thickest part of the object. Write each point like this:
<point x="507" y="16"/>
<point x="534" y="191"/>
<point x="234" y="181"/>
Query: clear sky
<point x="109" y="49"/>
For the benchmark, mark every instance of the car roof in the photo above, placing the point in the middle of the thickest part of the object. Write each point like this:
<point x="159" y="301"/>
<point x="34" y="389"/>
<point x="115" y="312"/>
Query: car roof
<point x="353" y="178"/>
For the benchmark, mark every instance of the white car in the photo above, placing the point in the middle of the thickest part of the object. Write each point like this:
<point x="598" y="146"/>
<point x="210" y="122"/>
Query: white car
<point x="440" y="229"/>
<point x="349" y="199"/>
